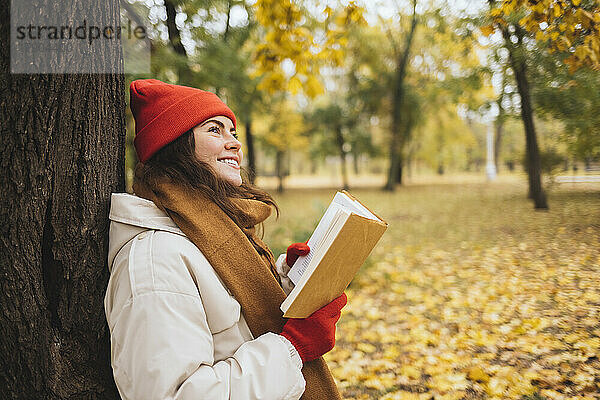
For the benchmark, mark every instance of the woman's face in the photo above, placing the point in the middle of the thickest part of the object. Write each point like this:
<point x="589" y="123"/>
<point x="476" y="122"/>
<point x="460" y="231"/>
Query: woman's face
<point x="217" y="145"/>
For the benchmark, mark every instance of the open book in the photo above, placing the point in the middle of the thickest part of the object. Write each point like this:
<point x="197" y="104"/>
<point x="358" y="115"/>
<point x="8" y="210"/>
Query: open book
<point x="339" y="245"/>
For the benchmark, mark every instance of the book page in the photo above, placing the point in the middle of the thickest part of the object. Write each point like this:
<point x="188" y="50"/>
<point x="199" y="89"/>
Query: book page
<point x="314" y="242"/>
<point x="354" y="206"/>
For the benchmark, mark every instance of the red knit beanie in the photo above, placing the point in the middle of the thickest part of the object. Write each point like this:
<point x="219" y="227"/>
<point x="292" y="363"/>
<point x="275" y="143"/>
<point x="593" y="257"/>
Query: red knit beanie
<point x="163" y="112"/>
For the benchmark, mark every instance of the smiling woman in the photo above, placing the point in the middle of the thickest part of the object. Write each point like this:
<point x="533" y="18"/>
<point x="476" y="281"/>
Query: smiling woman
<point x="193" y="298"/>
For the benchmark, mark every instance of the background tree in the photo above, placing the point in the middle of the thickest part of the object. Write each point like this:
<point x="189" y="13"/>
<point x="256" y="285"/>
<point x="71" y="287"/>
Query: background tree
<point x="333" y="120"/>
<point x="281" y="133"/>
<point x="570" y="99"/>
<point x="62" y="157"/>
<point x="444" y="71"/>
<point x="515" y="39"/>
<point x="570" y="28"/>
<point x="397" y="142"/>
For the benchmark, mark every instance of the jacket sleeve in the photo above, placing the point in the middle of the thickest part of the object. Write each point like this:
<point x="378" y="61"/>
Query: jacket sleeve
<point x="162" y="348"/>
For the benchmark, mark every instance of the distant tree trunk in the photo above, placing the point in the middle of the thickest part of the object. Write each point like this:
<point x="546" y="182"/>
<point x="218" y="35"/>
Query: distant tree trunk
<point x="314" y="165"/>
<point x="355" y="156"/>
<point x="228" y="22"/>
<point x="498" y="141"/>
<point x="63" y="154"/>
<point x="400" y="170"/>
<point x="183" y="71"/>
<point x="499" y="125"/>
<point x="406" y="135"/>
<point x="250" y="154"/>
<point x="225" y="38"/>
<point x="397" y="141"/>
<point x="279" y="170"/>
<point x="339" y="138"/>
<point x="519" y="67"/>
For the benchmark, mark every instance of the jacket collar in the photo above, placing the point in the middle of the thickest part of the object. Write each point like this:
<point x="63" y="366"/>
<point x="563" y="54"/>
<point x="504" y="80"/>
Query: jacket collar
<point x="133" y="210"/>
<point x="131" y="215"/>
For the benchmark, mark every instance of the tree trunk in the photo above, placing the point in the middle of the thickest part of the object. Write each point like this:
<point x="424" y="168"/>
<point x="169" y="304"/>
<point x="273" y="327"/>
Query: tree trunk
<point x="399" y="173"/>
<point x="397" y="143"/>
<point x="498" y="140"/>
<point x="519" y="67"/>
<point x="499" y="122"/>
<point x="356" y="167"/>
<point x="339" y="137"/>
<point x="406" y="135"/>
<point x="250" y="153"/>
<point x="183" y="71"/>
<point x="314" y="165"/>
<point x="279" y="170"/>
<point x="62" y="156"/>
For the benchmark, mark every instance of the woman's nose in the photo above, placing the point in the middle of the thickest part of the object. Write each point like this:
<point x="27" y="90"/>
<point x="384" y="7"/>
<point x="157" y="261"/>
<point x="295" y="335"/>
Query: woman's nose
<point x="233" y="144"/>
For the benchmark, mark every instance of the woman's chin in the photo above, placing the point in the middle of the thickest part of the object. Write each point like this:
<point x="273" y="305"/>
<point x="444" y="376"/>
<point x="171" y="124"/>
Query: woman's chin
<point x="234" y="179"/>
<point x="229" y="174"/>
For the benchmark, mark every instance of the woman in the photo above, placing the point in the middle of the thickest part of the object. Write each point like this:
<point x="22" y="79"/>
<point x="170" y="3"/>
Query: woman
<point x="193" y="298"/>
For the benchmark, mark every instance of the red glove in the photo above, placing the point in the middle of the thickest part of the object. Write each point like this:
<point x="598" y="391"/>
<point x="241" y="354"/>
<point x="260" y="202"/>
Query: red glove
<point x="315" y="335"/>
<point x="294" y="251"/>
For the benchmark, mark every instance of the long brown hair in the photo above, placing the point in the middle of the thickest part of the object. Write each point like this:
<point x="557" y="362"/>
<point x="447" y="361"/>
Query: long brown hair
<point x="178" y="162"/>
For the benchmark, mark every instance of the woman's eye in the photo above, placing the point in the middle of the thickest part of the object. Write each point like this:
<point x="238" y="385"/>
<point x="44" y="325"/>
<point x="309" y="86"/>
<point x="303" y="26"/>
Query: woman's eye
<point x="214" y="129"/>
<point x="235" y="135"/>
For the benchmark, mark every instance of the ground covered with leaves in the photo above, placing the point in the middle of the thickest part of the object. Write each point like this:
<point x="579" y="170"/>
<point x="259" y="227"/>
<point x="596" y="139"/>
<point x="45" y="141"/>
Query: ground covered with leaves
<point x="471" y="294"/>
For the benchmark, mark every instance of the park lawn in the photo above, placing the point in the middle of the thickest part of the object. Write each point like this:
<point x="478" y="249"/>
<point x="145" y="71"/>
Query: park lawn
<point x="470" y="294"/>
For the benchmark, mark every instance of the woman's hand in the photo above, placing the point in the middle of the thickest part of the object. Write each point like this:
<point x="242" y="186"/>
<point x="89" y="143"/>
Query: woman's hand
<point x="294" y="251"/>
<point x="315" y="335"/>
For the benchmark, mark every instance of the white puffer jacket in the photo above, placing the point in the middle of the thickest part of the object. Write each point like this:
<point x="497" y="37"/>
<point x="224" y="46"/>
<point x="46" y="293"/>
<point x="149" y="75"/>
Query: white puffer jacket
<point x="176" y="331"/>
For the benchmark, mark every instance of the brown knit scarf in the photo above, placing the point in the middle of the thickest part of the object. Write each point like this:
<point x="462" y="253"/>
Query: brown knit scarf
<point x="234" y="254"/>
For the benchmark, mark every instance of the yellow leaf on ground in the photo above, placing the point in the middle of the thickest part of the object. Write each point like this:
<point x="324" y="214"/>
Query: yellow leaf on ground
<point x="487" y="30"/>
<point x="477" y="374"/>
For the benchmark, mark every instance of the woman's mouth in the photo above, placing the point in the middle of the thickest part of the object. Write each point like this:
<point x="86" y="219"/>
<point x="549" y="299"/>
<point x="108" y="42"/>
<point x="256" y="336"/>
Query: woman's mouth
<point x="229" y="161"/>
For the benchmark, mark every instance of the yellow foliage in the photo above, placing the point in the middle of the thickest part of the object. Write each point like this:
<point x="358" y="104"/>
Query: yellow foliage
<point x="569" y="23"/>
<point x="487" y="30"/>
<point x="287" y="38"/>
<point x="294" y="85"/>
<point x="282" y="127"/>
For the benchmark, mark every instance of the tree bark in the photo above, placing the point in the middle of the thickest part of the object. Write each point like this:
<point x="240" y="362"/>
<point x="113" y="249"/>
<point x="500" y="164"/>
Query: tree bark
<point x="498" y="140"/>
<point x="227" y="23"/>
<point x="534" y="168"/>
<point x="397" y="143"/>
<point x="400" y="171"/>
<point x="250" y="153"/>
<point x="279" y="170"/>
<point x="183" y="71"/>
<point x="406" y="136"/>
<point x="499" y="125"/>
<point x="339" y="138"/>
<point x="62" y="156"/>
